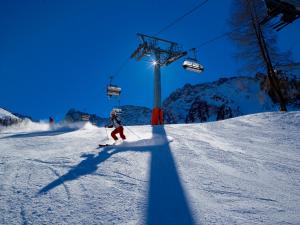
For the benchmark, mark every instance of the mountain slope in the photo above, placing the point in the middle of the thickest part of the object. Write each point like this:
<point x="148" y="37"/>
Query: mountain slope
<point x="7" y="118"/>
<point x="244" y="170"/>
<point x="222" y="99"/>
<point x="4" y="113"/>
<point x="135" y="115"/>
<point x="130" y="115"/>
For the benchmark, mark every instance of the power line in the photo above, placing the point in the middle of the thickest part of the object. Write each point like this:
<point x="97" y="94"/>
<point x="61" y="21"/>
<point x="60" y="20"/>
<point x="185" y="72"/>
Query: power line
<point x="120" y="68"/>
<point x="214" y="39"/>
<point x="220" y="36"/>
<point x="182" y="17"/>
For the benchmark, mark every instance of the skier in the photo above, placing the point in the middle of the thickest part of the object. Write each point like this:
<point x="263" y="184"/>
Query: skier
<point x="116" y="123"/>
<point x="51" y="120"/>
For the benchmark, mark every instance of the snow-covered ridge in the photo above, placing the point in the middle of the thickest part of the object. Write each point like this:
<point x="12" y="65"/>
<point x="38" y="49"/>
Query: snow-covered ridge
<point x="244" y="170"/>
<point x="4" y="114"/>
<point x="222" y="99"/>
<point x="7" y="118"/>
<point x="130" y="115"/>
<point x="218" y="100"/>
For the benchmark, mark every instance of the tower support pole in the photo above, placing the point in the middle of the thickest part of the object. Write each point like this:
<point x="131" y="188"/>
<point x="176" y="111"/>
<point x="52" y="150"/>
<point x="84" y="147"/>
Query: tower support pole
<point x="157" y="112"/>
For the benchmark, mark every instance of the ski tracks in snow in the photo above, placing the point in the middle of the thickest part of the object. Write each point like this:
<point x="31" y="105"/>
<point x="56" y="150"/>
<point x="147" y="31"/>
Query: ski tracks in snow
<point x="240" y="171"/>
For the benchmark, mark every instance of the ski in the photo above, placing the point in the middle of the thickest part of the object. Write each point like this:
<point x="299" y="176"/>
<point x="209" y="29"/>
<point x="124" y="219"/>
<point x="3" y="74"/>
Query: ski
<point x="103" y="145"/>
<point x="106" y="145"/>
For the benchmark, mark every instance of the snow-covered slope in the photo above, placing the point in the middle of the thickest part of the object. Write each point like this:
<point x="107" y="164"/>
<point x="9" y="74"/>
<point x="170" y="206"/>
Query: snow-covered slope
<point x="244" y="170"/>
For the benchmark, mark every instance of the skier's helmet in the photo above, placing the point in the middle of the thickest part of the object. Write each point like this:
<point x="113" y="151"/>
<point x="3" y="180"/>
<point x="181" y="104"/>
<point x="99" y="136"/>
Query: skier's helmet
<point x="113" y="113"/>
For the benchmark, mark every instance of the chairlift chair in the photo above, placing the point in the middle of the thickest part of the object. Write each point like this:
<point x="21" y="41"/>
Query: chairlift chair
<point x="113" y="90"/>
<point x="192" y="64"/>
<point x="85" y="117"/>
<point x="117" y="110"/>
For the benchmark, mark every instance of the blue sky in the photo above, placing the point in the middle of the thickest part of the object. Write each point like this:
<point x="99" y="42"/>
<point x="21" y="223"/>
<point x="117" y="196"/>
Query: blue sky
<point x="56" y="55"/>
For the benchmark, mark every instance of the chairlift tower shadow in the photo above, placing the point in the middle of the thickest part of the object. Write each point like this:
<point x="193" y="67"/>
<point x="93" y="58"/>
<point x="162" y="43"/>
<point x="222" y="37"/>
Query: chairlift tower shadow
<point x="164" y="53"/>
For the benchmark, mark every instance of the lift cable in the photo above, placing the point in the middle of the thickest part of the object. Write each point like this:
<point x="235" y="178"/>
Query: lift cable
<point x="120" y="68"/>
<point x="213" y="39"/>
<point x="220" y="36"/>
<point x="198" y="6"/>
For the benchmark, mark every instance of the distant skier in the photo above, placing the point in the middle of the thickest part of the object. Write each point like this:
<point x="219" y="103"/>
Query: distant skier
<point x="116" y="123"/>
<point x="51" y="120"/>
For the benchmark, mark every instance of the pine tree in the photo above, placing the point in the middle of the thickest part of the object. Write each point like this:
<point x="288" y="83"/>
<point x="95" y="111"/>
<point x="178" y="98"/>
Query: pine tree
<point x="257" y="45"/>
<point x="244" y="35"/>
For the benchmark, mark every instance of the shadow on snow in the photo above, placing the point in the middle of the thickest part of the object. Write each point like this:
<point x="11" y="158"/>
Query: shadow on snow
<point x="41" y="133"/>
<point x="167" y="203"/>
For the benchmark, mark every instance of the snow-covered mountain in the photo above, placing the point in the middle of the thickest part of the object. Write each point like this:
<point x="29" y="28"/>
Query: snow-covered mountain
<point x="7" y="118"/>
<point x="222" y="99"/>
<point x="74" y="115"/>
<point x="135" y="115"/>
<point x="130" y="115"/>
<point x="242" y="171"/>
<point x="23" y="117"/>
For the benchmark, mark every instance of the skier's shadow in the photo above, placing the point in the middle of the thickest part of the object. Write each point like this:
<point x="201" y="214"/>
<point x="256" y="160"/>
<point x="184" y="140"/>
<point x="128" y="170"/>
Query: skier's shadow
<point x="167" y="203"/>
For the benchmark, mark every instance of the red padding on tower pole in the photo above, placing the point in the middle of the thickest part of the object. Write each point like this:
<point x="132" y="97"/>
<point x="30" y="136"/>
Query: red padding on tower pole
<point x="157" y="116"/>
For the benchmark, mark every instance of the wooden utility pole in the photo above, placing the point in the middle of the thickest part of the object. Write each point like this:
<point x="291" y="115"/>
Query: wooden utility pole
<point x="272" y="76"/>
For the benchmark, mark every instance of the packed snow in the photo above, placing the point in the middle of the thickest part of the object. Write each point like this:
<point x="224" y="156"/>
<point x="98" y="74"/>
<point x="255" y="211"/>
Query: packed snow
<point x="244" y="170"/>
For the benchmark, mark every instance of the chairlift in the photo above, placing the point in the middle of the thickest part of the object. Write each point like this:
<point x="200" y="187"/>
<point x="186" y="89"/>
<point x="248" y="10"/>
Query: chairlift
<point x="113" y="90"/>
<point x="85" y="117"/>
<point x="192" y="64"/>
<point x="117" y="110"/>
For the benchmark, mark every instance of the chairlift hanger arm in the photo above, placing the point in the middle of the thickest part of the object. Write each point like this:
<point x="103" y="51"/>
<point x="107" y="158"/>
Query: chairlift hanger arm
<point x="289" y="10"/>
<point x="144" y="36"/>
<point x="164" y="51"/>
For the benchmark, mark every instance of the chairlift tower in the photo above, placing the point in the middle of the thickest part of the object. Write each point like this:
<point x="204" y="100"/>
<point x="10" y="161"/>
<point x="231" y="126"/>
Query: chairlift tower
<point x="164" y="53"/>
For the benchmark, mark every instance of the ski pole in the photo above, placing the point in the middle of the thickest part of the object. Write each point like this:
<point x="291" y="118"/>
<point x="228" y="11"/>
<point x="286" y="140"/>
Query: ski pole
<point x="106" y="133"/>
<point x="133" y="133"/>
